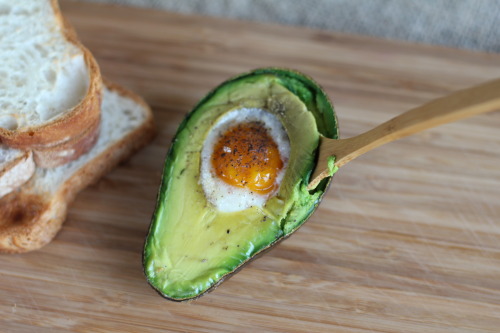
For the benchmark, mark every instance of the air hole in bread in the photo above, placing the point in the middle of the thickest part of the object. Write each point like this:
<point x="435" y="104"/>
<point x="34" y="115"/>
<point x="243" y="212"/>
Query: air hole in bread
<point x="43" y="52"/>
<point x="50" y="75"/>
<point x="21" y="11"/>
<point x="131" y="115"/>
<point x="18" y="80"/>
<point x="8" y="122"/>
<point x="4" y="10"/>
<point x="3" y="81"/>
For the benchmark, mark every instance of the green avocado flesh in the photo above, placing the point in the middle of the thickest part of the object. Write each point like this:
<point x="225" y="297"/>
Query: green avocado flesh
<point x="191" y="246"/>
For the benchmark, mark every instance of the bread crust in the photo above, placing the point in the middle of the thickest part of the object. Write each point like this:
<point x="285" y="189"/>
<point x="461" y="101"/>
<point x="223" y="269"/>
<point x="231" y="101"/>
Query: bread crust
<point x="72" y="123"/>
<point x="54" y="156"/>
<point x="16" y="173"/>
<point x="29" y="219"/>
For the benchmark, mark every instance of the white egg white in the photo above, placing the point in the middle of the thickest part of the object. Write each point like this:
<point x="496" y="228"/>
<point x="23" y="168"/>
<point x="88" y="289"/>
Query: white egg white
<point x="228" y="198"/>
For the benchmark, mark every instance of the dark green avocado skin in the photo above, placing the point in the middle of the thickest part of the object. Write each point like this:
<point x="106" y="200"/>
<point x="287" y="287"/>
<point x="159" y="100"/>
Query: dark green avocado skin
<point x="317" y="103"/>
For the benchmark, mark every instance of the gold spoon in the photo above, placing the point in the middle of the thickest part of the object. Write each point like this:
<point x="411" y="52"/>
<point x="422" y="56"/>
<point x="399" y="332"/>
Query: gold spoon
<point x="461" y="104"/>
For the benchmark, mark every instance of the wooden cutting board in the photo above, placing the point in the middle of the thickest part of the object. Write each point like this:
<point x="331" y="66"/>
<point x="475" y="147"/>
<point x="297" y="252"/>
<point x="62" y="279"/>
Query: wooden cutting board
<point x="407" y="239"/>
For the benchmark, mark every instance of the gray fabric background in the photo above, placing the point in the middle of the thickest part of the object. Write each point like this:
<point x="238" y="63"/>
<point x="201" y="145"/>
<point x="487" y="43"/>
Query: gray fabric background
<point x="469" y="24"/>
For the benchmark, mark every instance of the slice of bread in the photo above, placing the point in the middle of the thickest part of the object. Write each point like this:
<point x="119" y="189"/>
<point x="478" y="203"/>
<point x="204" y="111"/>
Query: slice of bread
<point x="50" y="84"/>
<point x="32" y="215"/>
<point x="16" y="168"/>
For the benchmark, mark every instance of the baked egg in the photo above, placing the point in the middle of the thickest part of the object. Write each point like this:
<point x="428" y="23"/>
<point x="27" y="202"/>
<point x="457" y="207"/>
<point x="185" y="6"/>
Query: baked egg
<point x="243" y="160"/>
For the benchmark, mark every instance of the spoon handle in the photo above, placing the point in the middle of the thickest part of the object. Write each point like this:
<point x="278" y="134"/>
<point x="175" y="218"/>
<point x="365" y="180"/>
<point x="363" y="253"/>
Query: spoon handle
<point x="461" y="104"/>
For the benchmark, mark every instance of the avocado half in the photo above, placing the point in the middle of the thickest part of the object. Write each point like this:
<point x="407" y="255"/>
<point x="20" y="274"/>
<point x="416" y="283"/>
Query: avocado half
<point x="191" y="247"/>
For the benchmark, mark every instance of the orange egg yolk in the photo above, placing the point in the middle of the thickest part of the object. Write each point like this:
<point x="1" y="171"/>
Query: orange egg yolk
<point x="246" y="156"/>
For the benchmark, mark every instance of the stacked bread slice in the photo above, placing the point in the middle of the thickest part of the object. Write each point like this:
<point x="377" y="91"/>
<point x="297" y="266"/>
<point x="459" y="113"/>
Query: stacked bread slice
<point x="61" y="127"/>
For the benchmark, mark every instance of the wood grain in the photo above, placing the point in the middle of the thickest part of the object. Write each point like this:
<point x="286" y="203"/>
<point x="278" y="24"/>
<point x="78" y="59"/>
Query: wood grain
<point x="407" y="239"/>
